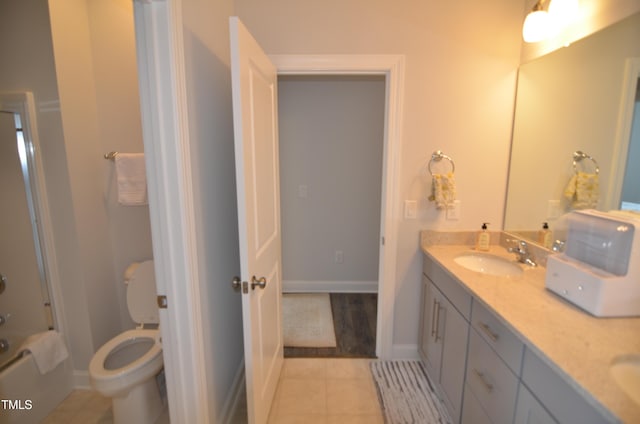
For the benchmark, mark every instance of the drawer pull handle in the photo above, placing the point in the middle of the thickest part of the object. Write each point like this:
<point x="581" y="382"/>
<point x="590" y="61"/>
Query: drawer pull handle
<point x="483" y="380"/>
<point x="437" y="321"/>
<point x="434" y="326"/>
<point x="487" y="330"/>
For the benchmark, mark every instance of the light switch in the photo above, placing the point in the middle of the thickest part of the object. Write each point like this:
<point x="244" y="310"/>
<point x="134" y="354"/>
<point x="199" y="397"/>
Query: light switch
<point x="453" y="212"/>
<point x="303" y="191"/>
<point x="410" y="209"/>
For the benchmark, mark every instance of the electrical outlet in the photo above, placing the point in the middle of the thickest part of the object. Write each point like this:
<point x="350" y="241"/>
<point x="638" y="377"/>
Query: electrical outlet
<point x="338" y="257"/>
<point x="453" y="212"/>
<point x="410" y="209"/>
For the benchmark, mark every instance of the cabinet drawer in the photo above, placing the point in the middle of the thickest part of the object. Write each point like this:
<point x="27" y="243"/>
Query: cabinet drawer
<point x="498" y="336"/>
<point x="453" y="290"/>
<point x="472" y="412"/>
<point x="560" y="399"/>
<point x="491" y="381"/>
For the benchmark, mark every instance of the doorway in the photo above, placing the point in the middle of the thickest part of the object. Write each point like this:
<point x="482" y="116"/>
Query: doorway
<point x="331" y="151"/>
<point x="391" y="69"/>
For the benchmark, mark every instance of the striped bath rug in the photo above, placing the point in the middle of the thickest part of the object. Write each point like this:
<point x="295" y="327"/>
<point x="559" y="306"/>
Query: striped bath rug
<point x="406" y="394"/>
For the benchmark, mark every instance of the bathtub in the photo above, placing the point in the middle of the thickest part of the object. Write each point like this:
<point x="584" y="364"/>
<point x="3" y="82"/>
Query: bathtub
<point x="28" y="396"/>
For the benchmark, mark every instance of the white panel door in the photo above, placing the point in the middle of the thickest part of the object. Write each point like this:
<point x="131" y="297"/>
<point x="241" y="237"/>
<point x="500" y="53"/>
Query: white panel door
<point x="254" y="83"/>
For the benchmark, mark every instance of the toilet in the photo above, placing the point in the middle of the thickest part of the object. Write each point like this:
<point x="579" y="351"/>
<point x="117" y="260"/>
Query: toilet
<point x="126" y="368"/>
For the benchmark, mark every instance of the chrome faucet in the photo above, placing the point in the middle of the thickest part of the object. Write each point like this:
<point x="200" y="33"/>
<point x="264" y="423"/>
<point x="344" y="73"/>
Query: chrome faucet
<point x="521" y="249"/>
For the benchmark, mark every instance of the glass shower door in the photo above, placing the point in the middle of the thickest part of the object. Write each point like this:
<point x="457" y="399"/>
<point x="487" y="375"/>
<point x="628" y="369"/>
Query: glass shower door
<point x="23" y="294"/>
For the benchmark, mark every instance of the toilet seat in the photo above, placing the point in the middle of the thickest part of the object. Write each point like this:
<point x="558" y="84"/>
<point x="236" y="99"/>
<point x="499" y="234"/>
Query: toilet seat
<point x="112" y="382"/>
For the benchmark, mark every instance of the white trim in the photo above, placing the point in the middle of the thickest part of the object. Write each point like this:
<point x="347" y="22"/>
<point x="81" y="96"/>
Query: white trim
<point x="302" y="286"/>
<point x="623" y="132"/>
<point x="237" y="397"/>
<point x="405" y="351"/>
<point x="81" y="380"/>
<point x="392" y="67"/>
<point x="158" y="27"/>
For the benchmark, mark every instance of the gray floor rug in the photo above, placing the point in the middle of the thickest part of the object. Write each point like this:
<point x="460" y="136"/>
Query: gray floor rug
<point x="406" y="394"/>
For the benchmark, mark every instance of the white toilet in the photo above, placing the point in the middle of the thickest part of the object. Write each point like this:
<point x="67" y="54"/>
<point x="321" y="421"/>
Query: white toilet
<point x="125" y="368"/>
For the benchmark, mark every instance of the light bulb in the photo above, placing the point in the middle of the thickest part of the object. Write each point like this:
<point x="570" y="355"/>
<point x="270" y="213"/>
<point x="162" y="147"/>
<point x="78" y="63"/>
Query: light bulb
<point x="536" y="26"/>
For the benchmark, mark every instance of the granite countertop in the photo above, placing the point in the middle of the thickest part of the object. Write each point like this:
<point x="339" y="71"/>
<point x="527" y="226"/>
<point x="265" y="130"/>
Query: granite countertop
<point x="579" y="346"/>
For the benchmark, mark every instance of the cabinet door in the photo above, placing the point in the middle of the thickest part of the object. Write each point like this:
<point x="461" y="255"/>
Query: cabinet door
<point x="430" y="340"/>
<point x="529" y="410"/>
<point x="454" y="355"/>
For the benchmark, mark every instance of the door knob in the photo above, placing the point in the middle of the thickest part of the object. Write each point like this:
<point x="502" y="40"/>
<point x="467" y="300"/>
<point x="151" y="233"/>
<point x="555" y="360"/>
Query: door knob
<point x="260" y="282"/>
<point x="238" y="284"/>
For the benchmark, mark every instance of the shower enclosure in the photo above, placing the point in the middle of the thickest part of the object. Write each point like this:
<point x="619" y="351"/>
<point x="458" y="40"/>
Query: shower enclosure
<point x="25" y="299"/>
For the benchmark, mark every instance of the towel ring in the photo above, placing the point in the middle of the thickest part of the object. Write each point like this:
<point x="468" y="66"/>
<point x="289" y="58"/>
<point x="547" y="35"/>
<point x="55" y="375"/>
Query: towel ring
<point x="578" y="156"/>
<point x="437" y="156"/>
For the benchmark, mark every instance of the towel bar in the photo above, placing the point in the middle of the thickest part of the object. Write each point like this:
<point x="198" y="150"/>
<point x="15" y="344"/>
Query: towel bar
<point x="110" y="155"/>
<point x="437" y="156"/>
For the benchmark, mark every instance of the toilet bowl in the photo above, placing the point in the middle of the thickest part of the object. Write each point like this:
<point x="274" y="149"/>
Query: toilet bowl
<point x="125" y="368"/>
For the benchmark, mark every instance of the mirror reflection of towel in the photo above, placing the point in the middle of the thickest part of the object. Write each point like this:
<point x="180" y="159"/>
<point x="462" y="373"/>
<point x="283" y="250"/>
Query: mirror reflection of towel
<point x="443" y="190"/>
<point x="583" y="190"/>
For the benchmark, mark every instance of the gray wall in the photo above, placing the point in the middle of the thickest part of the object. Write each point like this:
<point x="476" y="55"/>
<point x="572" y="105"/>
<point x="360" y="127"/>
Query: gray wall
<point x="208" y="78"/>
<point x="331" y="145"/>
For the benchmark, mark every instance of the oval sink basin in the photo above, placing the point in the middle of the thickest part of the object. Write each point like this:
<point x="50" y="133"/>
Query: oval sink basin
<point x="486" y="263"/>
<point x="626" y="372"/>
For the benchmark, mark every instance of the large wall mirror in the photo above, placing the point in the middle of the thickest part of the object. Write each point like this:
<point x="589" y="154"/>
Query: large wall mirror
<point x="575" y="110"/>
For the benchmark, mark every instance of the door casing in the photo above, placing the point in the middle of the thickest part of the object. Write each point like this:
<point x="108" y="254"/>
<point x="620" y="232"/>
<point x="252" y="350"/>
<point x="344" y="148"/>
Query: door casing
<point x="392" y="68"/>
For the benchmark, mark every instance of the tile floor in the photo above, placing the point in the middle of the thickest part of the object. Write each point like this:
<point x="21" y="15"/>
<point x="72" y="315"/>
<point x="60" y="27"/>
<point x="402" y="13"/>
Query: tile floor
<point x="327" y="391"/>
<point x="310" y="391"/>
<point x="82" y="407"/>
<point x="87" y="407"/>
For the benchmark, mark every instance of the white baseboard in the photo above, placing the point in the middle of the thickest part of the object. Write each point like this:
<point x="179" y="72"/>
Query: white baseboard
<point x="405" y="351"/>
<point x="235" y="398"/>
<point x="319" y="286"/>
<point x="81" y="380"/>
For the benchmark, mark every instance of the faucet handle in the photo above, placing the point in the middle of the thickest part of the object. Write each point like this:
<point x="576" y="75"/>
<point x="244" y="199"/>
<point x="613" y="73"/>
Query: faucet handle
<point x="558" y="246"/>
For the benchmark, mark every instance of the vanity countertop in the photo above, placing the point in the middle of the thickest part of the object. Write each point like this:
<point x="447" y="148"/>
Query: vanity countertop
<point x="577" y="345"/>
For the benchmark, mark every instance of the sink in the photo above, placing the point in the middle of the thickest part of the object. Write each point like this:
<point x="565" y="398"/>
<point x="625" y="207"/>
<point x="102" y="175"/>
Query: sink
<point x="626" y="372"/>
<point x="487" y="263"/>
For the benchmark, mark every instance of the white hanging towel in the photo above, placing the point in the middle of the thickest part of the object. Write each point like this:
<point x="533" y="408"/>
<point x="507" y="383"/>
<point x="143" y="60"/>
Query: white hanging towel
<point x="48" y="350"/>
<point x="132" y="179"/>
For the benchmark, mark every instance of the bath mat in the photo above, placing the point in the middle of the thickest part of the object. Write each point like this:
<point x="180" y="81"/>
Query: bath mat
<point x="406" y="394"/>
<point x="307" y="320"/>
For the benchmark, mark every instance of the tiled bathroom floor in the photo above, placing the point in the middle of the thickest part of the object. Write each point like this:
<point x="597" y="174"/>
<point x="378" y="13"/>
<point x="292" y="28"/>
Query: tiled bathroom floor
<point x="82" y="407"/>
<point x="327" y="391"/>
<point x="87" y="407"/>
<point x="310" y="391"/>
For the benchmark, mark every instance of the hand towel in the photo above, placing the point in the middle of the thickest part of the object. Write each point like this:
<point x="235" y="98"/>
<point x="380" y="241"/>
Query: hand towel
<point x="583" y="190"/>
<point x="48" y="350"/>
<point x="132" y="179"/>
<point x="443" y="190"/>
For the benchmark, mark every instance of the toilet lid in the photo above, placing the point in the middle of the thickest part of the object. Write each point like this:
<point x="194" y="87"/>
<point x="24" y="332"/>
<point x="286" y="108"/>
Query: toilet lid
<point x="141" y="294"/>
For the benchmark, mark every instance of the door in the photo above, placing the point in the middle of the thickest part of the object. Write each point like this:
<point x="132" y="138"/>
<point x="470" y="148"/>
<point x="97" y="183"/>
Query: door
<point x="254" y="87"/>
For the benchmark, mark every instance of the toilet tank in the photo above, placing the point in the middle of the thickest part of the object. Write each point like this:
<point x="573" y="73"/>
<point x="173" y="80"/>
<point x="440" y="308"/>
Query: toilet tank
<point x="141" y="293"/>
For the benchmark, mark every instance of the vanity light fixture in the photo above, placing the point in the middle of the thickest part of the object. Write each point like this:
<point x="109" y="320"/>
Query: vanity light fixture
<point x="536" y="24"/>
<point x="541" y="24"/>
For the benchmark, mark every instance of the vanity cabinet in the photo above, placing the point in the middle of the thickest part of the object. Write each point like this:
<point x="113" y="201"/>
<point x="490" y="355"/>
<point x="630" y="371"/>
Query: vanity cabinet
<point x="469" y="350"/>
<point x="443" y="337"/>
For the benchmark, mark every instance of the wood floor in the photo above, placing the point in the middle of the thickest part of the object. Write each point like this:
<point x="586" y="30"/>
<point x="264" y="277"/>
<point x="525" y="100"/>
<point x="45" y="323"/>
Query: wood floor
<point x="354" y="321"/>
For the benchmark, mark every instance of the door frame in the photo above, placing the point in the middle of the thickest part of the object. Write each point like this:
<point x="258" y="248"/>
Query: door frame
<point x="162" y="82"/>
<point x="392" y="68"/>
